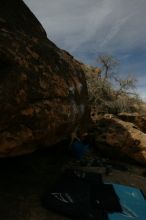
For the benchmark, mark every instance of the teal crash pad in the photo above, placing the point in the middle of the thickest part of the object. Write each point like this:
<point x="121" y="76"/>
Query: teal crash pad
<point x="132" y="202"/>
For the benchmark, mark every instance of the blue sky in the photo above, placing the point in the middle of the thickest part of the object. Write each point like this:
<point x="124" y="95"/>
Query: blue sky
<point x="87" y="28"/>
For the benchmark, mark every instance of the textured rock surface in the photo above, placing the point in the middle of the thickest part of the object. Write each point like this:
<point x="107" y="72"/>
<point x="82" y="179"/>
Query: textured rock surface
<point x="121" y="139"/>
<point x="43" y="91"/>
<point x="138" y="119"/>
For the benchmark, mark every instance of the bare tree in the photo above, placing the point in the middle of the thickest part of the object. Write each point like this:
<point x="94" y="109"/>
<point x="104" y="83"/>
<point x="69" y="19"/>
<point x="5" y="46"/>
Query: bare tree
<point x="110" y="92"/>
<point x="126" y="85"/>
<point x="108" y="65"/>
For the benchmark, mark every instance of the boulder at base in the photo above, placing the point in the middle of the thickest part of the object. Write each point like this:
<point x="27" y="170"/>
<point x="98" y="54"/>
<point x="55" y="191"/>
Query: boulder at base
<point x="136" y="118"/>
<point x="43" y="94"/>
<point x="121" y="139"/>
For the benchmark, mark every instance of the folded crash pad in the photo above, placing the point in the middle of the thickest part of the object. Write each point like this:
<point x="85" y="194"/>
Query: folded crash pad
<point x="83" y="195"/>
<point x="133" y="204"/>
<point x="80" y="195"/>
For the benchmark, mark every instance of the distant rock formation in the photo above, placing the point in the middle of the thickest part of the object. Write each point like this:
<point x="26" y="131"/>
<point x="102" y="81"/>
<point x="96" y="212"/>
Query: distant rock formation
<point x="91" y="71"/>
<point x="43" y="93"/>
<point x="120" y="139"/>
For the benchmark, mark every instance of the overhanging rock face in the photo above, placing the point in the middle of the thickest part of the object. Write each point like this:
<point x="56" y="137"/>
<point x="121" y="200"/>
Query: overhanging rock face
<point x="43" y="93"/>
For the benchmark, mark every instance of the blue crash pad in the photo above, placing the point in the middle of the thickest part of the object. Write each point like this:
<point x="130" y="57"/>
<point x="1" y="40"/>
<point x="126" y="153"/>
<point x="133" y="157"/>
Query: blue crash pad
<point x="83" y="195"/>
<point x="132" y="202"/>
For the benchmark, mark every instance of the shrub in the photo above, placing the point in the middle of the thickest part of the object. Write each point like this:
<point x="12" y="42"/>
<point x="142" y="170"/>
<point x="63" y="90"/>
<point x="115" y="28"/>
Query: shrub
<point x="111" y="94"/>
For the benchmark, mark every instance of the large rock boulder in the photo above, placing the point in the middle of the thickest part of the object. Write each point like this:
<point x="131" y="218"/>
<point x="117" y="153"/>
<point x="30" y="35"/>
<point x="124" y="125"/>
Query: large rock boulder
<point x="43" y="94"/>
<point x="138" y="119"/>
<point x="120" y="139"/>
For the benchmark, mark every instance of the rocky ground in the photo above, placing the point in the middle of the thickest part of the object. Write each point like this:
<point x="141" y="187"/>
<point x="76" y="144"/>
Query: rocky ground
<point x="24" y="181"/>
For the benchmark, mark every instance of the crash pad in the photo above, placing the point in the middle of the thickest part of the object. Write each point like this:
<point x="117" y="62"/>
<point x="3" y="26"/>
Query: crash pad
<point x="83" y="195"/>
<point x="132" y="201"/>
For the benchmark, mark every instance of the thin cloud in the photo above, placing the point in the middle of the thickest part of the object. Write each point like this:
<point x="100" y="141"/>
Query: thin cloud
<point x="114" y="31"/>
<point x="86" y="28"/>
<point x="108" y="23"/>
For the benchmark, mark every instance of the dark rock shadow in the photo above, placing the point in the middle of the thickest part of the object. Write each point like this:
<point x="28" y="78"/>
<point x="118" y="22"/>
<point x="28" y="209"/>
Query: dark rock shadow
<point x="25" y="179"/>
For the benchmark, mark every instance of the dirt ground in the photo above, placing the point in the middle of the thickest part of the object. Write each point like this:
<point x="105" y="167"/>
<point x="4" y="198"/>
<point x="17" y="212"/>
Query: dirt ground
<point x="24" y="181"/>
